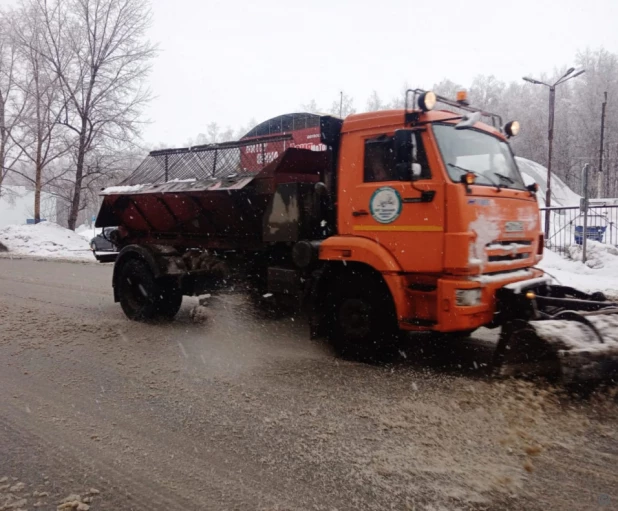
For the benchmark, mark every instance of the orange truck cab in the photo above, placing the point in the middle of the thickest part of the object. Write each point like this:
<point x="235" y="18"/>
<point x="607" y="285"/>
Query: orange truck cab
<point x="434" y="202"/>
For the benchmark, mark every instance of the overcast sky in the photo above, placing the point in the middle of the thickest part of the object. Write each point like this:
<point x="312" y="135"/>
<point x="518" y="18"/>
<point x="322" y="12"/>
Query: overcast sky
<point x="229" y="61"/>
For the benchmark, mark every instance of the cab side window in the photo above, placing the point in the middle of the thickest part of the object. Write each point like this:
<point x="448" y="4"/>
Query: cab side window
<point x="381" y="160"/>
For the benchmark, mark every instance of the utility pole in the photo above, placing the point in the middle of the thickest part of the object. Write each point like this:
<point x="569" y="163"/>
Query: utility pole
<point x="550" y="133"/>
<point x="600" y="172"/>
<point x="550" y="138"/>
<point x="584" y="206"/>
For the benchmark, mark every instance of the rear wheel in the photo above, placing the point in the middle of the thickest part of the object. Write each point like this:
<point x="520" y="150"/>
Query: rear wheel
<point x="144" y="297"/>
<point x="364" y="321"/>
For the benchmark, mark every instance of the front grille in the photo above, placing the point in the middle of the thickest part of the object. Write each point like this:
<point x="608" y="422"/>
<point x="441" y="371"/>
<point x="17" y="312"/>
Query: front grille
<point x="508" y="245"/>
<point x="514" y="257"/>
<point x="509" y="252"/>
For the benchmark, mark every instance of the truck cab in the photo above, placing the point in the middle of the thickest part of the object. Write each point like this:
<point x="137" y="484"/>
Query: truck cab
<point x="434" y="201"/>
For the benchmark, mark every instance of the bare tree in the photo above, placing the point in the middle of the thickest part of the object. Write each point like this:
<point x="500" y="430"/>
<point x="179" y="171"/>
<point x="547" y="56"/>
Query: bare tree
<point x="99" y="52"/>
<point x="311" y="107"/>
<point x="343" y="106"/>
<point x="38" y="138"/>
<point x="447" y="88"/>
<point x="213" y="133"/>
<point x="227" y="135"/>
<point x="243" y="130"/>
<point x="374" y="103"/>
<point x="104" y="168"/>
<point x="11" y="101"/>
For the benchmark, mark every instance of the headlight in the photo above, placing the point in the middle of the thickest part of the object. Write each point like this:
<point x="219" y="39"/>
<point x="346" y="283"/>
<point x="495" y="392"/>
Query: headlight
<point x="512" y="128"/>
<point x="426" y="101"/>
<point x="468" y="297"/>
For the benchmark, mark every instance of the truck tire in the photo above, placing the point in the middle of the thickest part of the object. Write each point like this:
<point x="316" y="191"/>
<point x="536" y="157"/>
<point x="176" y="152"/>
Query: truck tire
<point x="145" y="298"/>
<point x="364" y="324"/>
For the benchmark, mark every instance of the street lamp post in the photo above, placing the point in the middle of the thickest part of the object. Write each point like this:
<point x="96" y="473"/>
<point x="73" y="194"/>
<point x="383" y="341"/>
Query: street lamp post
<point x="550" y="132"/>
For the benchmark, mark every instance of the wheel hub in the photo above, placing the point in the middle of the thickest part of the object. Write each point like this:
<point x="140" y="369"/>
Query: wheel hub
<point x="355" y="319"/>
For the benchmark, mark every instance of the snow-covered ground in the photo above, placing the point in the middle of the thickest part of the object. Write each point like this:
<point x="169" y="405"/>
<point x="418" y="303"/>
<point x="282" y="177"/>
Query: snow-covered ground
<point x="600" y="273"/>
<point x="45" y="240"/>
<point x="87" y="231"/>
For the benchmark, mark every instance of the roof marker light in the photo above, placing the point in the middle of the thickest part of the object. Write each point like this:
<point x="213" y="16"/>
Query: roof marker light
<point x="462" y="97"/>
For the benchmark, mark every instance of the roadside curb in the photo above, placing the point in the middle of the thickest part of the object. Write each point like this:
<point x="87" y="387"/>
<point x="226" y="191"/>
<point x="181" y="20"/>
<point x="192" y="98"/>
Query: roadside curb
<point x="10" y="255"/>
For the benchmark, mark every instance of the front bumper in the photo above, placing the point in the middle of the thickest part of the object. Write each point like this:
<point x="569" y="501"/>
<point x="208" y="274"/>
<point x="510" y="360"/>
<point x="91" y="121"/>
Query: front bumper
<point x="438" y="309"/>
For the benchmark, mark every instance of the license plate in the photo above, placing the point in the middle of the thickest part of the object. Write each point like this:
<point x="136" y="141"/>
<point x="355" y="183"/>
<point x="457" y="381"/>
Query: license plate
<point x="514" y="227"/>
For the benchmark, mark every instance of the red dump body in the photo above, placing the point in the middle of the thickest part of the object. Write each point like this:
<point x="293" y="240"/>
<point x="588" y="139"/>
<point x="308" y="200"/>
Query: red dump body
<point x="214" y="212"/>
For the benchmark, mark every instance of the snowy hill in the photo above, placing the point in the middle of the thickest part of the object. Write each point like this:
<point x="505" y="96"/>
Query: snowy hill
<point x="561" y="194"/>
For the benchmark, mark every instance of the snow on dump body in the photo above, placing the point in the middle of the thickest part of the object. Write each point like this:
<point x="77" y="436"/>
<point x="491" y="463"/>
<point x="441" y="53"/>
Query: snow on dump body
<point x="123" y="189"/>
<point x="139" y="188"/>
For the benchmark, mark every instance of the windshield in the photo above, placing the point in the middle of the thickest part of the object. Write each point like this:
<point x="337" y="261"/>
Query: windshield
<point x="488" y="157"/>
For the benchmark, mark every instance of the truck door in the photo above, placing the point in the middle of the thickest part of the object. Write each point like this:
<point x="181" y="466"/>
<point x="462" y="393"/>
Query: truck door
<point x="402" y="212"/>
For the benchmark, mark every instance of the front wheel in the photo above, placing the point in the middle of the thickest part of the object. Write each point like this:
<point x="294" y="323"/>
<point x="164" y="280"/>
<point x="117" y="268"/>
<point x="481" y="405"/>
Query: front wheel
<point x="144" y="297"/>
<point x="364" y="323"/>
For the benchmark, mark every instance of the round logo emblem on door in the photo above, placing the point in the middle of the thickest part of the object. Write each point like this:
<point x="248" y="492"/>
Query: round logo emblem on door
<point x="385" y="205"/>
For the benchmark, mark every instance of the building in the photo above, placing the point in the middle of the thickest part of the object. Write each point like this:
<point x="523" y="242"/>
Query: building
<point x="17" y="206"/>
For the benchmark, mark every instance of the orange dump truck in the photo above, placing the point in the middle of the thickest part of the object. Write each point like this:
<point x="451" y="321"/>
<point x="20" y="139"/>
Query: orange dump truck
<point x="385" y="222"/>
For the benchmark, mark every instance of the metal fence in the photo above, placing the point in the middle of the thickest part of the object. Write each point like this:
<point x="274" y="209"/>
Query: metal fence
<point x="567" y="226"/>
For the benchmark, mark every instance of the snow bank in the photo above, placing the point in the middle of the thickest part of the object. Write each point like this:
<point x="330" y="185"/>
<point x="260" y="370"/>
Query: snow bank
<point x="598" y="255"/>
<point x="46" y="240"/>
<point x="600" y="273"/>
<point x="86" y="232"/>
<point x="561" y="194"/>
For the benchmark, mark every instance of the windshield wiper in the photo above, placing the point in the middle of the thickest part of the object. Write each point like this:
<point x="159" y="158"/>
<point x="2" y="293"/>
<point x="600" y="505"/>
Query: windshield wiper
<point x="497" y="185"/>
<point x="506" y="178"/>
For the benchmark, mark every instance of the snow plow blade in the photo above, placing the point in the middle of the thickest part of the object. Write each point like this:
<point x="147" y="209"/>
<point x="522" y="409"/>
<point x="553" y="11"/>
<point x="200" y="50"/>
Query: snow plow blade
<point x="566" y="336"/>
